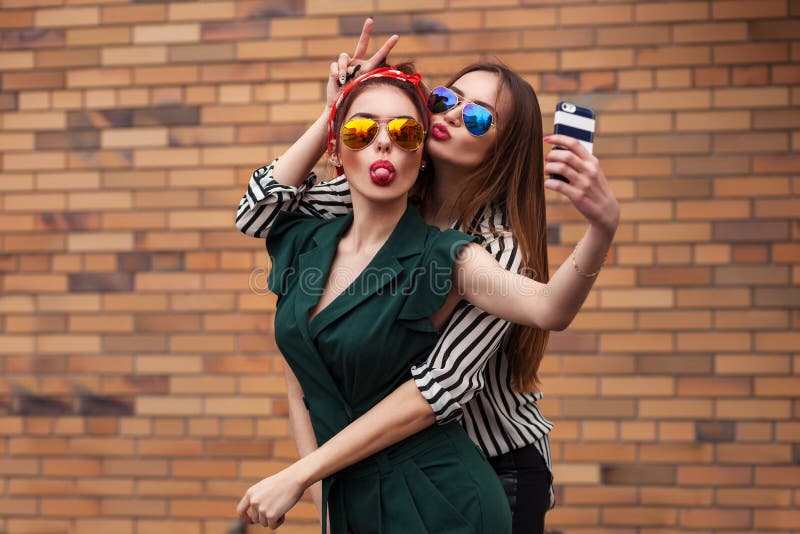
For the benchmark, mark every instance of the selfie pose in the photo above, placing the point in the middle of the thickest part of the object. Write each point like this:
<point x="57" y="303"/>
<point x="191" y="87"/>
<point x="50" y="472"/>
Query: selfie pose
<point x="485" y="176"/>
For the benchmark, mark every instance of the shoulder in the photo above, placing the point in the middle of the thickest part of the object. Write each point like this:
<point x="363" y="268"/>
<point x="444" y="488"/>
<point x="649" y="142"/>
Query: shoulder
<point x="290" y="229"/>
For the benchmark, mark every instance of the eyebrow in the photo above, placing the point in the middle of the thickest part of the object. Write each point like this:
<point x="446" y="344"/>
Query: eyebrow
<point x="460" y="93"/>
<point x="373" y="116"/>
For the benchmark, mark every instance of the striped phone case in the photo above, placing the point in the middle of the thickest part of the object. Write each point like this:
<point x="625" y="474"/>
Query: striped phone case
<point x="575" y="121"/>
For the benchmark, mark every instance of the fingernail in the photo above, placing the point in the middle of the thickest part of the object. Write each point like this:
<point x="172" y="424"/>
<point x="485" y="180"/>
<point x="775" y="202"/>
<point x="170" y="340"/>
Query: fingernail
<point x="546" y="138"/>
<point x="342" y="79"/>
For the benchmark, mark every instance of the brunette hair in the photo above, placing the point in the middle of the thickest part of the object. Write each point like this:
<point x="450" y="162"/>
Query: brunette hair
<point x="512" y="178"/>
<point x="406" y="87"/>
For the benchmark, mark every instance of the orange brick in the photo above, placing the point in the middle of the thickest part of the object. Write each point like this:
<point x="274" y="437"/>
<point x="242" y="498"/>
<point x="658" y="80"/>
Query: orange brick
<point x="747" y="9"/>
<point x="710" y="33"/>
<point x="637" y="387"/>
<point x="735" y="453"/>
<point x="753" y="409"/>
<point x="84" y="16"/>
<point x="672" y="56"/>
<point x="166" y="75"/>
<point x="596" y="452"/>
<point x="513" y="18"/>
<point x="632" y="35"/>
<point x="713" y="121"/>
<point x="220" y="10"/>
<point x="776" y="341"/>
<point x="715" y="518"/>
<point x="751" y="53"/>
<point x="714" y="476"/>
<point x="637" y="123"/>
<point x="671" y="11"/>
<point x="635" y="79"/>
<point x="166" y="33"/>
<point x="675" y="409"/>
<point x="658" y="100"/>
<point x="320" y="7"/>
<point x="675" y="453"/>
<point x="673" y="78"/>
<point x="754" y="497"/>
<point x="134" y="55"/>
<point x="751" y="98"/>
<point x="99" y="78"/>
<point x="760" y="319"/>
<point x="98" y="36"/>
<point x="676" y="496"/>
<point x="639" y="516"/>
<point x="596" y="59"/>
<point x="594" y="15"/>
<point x="116" y="14"/>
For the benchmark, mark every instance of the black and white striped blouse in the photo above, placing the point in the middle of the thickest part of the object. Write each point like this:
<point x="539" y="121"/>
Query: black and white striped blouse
<point x="452" y="379"/>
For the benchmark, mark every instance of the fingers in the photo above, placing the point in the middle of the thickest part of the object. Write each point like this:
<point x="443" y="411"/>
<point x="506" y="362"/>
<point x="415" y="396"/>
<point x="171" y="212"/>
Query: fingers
<point x="566" y="157"/>
<point x="570" y="143"/>
<point x="334" y="70"/>
<point x="363" y="41"/>
<point x="568" y="190"/>
<point x="241" y="509"/>
<point x="344" y="59"/>
<point x="383" y="52"/>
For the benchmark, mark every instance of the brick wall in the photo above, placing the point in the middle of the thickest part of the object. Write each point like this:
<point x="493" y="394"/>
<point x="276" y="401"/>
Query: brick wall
<point x="141" y="390"/>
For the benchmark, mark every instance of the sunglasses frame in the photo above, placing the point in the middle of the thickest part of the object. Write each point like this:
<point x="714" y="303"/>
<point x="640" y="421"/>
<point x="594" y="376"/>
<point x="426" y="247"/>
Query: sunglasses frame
<point x="462" y="100"/>
<point x="384" y="121"/>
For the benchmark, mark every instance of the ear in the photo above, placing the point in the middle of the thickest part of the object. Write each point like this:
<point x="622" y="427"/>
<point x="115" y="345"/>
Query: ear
<point x="333" y="154"/>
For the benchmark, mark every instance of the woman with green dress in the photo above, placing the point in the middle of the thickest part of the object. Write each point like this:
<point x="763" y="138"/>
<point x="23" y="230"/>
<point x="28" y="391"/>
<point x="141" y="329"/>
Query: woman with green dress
<point x="359" y="301"/>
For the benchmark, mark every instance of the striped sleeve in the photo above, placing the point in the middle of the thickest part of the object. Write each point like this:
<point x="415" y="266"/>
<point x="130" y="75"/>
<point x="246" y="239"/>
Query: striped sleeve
<point x="453" y="372"/>
<point x="265" y="197"/>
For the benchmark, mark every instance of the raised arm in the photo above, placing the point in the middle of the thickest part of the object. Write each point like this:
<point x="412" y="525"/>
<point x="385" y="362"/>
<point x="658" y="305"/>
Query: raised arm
<point x="288" y="183"/>
<point x="550" y="306"/>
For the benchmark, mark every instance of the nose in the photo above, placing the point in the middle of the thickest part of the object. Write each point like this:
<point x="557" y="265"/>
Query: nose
<point x="383" y="144"/>
<point x="453" y="115"/>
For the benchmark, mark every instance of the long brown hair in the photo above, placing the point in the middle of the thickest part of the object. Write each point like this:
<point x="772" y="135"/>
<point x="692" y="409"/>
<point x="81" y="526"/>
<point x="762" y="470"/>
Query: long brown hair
<point x="512" y="179"/>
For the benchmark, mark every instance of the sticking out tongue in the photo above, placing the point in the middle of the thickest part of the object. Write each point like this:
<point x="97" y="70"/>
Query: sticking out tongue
<point x="381" y="172"/>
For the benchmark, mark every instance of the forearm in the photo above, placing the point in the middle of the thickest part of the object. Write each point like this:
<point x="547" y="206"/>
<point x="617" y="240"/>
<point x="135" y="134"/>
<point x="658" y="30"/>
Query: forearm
<point x="293" y="166"/>
<point x="567" y="288"/>
<point x="302" y="431"/>
<point x="401" y="414"/>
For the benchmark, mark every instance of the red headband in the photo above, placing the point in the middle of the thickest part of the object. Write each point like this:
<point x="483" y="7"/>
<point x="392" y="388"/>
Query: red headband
<point x="382" y="72"/>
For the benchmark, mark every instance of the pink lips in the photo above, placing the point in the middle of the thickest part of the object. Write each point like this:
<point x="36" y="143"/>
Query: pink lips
<point x="381" y="172"/>
<point x="439" y="132"/>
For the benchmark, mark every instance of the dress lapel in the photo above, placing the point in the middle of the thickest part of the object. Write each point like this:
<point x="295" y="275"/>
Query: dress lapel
<point x="407" y="239"/>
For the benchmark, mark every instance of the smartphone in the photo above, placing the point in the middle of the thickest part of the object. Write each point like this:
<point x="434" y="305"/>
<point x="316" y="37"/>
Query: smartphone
<point x="575" y="121"/>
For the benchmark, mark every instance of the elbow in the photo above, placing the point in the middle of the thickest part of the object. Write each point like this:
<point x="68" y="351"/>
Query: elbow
<point x="426" y="416"/>
<point x="241" y="224"/>
<point x="556" y="324"/>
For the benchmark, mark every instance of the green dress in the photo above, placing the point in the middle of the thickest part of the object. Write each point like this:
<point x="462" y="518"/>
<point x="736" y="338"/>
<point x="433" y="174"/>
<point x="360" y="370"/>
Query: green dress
<point x="359" y="349"/>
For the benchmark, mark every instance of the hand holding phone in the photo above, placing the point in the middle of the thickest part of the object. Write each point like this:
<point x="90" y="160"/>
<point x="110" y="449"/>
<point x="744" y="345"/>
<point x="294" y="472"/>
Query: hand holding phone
<point x="575" y="121"/>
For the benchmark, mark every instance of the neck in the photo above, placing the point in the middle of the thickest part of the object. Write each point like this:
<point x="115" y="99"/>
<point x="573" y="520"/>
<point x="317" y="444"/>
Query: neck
<point x="373" y="222"/>
<point x="440" y="206"/>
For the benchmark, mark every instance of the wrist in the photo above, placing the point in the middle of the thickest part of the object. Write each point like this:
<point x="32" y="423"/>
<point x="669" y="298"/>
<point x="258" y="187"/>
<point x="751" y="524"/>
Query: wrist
<point x="607" y="228"/>
<point x="303" y="471"/>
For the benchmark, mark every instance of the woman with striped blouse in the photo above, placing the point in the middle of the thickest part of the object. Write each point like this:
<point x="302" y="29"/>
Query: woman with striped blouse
<point x="485" y="177"/>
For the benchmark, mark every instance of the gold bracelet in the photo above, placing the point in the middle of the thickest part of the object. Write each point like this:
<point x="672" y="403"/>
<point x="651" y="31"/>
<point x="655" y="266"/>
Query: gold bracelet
<point x="578" y="270"/>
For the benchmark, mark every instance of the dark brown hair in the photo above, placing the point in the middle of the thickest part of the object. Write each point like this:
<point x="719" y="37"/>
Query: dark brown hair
<point x="512" y="178"/>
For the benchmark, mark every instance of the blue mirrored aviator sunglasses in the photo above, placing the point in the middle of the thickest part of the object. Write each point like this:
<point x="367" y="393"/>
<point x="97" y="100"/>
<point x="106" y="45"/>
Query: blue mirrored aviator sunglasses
<point x="476" y="118"/>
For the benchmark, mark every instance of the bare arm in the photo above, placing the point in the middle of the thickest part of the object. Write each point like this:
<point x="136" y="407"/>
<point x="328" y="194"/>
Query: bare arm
<point x="302" y="430"/>
<point x="288" y="183"/>
<point x="292" y="167"/>
<point x="550" y="306"/>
